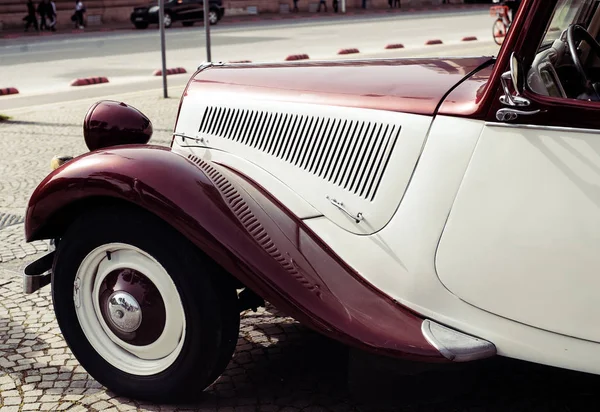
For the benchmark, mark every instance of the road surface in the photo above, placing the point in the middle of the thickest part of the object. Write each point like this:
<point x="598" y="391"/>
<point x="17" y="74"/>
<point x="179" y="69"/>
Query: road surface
<point x="42" y="68"/>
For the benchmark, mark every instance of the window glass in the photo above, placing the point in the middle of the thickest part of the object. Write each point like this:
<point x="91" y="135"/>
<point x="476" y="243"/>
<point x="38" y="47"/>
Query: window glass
<point x="566" y="13"/>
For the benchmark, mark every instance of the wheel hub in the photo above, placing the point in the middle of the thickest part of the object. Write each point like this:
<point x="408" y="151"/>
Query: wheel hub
<point x="124" y="311"/>
<point x="126" y="294"/>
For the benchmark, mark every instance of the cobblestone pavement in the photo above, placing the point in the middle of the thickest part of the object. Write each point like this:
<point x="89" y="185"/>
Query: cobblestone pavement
<point x="278" y="364"/>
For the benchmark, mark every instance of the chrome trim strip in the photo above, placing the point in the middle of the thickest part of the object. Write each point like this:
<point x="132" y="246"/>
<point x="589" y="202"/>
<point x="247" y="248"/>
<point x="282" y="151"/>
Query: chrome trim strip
<point x="456" y="346"/>
<point x="33" y="283"/>
<point x="38" y="273"/>
<point x="536" y="127"/>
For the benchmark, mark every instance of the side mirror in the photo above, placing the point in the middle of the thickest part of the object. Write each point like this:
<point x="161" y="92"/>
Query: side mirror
<point x="516" y="76"/>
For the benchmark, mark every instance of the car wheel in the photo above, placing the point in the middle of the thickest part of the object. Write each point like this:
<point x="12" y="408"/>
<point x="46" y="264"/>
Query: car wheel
<point x="188" y="23"/>
<point x="168" y="20"/>
<point x="143" y="311"/>
<point x="213" y="16"/>
<point x="141" y="25"/>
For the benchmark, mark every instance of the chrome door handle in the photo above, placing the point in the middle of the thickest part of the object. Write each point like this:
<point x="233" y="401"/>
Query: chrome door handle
<point x="340" y="206"/>
<point x="508" y="114"/>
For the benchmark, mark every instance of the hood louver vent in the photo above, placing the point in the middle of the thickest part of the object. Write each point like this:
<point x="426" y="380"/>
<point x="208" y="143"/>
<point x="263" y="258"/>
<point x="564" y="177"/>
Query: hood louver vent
<point x="349" y="153"/>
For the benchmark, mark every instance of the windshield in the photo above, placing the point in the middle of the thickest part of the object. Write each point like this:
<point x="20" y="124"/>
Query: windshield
<point x="566" y="13"/>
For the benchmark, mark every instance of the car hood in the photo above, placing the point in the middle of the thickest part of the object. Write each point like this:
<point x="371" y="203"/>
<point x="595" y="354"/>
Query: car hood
<point x="402" y="85"/>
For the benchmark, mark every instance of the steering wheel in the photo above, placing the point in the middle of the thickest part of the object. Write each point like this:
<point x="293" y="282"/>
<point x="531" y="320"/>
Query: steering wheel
<point x="574" y="33"/>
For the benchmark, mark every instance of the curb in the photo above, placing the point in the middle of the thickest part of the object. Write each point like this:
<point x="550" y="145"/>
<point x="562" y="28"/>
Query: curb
<point x="8" y="90"/>
<point x="430" y="42"/>
<point x="293" y="57"/>
<point x="395" y="46"/>
<point x="88" y="81"/>
<point x="469" y="38"/>
<point x="348" y="51"/>
<point x="176" y="70"/>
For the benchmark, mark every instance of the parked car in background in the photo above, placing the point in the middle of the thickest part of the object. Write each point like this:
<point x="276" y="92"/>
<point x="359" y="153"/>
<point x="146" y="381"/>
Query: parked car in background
<point x="186" y="11"/>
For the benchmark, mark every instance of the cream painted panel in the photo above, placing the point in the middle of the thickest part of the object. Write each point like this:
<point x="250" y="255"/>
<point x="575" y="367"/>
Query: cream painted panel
<point x="523" y="238"/>
<point x="360" y="158"/>
<point x="284" y="194"/>
<point x="399" y="260"/>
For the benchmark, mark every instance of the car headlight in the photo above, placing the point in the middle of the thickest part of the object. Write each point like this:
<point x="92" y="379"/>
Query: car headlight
<point x="153" y="9"/>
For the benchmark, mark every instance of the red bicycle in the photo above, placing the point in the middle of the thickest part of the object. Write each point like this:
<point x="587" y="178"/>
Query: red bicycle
<point x="502" y="23"/>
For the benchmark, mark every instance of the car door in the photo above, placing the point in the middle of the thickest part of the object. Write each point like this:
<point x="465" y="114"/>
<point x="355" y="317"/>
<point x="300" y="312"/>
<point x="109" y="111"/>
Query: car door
<point x="523" y="237"/>
<point x="184" y="10"/>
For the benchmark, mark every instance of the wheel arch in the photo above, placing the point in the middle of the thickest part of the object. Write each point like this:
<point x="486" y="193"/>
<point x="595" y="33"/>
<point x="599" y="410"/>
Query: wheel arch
<point x="244" y="230"/>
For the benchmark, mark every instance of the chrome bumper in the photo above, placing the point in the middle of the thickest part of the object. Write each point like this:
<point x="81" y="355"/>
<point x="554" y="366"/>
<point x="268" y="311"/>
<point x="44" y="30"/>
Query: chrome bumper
<point x="38" y="273"/>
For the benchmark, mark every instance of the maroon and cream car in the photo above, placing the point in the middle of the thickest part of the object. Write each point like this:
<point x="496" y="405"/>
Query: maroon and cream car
<point x="437" y="210"/>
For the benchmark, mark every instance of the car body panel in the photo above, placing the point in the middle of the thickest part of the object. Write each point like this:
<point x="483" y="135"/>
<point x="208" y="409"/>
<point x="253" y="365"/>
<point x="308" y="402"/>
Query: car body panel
<point x="378" y="84"/>
<point x="524" y="229"/>
<point x="245" y="231"/>
<point x="351" y="164"/>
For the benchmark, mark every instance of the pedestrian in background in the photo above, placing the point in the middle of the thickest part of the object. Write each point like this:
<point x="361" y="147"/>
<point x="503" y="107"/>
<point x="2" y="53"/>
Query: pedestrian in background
<point x="52" y="15"/>
<point x="79" y="10"/>
<point x="31" y="18"/>
<point x="42" y="11"/>
<point x="323" y="3"/>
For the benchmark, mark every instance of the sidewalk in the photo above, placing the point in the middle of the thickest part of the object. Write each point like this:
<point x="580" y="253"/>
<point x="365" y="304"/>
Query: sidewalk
<point x="249" y="19"/>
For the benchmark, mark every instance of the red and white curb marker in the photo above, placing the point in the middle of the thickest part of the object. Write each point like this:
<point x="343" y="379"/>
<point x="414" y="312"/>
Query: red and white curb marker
<point x="240" y="61"/>
<point x="8" y="90"/>
<point x="469" y="38"/>
<point x="176" y="70"/>
<point x="293" y="57"/>
<point x="395" y="46"/>
<point x="348" y="51"/>
<point x="435" y="41"/>
<point x="88" y="81"/>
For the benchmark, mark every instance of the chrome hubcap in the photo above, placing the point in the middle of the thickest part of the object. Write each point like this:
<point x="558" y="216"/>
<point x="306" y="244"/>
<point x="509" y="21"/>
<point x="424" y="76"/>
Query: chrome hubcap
<point x="125" y="312"/>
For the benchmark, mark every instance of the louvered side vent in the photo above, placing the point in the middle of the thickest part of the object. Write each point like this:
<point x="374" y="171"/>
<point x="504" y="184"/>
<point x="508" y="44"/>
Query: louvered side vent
<point x="349" y="153"/>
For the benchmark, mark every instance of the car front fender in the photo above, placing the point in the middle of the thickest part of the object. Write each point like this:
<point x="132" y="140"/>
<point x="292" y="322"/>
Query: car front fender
<point x="242" y="228"/>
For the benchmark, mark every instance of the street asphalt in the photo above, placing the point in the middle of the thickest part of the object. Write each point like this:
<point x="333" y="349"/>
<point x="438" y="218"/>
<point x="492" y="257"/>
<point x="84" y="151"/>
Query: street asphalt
<point x="39" y="66"/>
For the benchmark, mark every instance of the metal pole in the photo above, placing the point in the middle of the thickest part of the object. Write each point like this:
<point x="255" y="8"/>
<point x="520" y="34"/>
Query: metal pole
<point x="207" y="29"/>
<point x="161" y="25"/>
<point x="343" y="6"/>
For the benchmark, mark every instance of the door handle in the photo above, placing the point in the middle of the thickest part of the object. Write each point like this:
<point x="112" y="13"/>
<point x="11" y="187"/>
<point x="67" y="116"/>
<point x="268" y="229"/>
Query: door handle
<point x="357" y="218"/>
<point x="508" y="114"/>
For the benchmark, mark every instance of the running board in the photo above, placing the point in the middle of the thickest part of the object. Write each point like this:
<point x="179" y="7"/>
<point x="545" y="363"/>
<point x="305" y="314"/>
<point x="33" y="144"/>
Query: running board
<point x="456" y="346"/>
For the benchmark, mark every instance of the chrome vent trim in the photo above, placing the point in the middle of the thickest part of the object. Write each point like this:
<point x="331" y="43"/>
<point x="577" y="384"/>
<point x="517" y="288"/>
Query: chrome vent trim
<point x="351" y="154"/>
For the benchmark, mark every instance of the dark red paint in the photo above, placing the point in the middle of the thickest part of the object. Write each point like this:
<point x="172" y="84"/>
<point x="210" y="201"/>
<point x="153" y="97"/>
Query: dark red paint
<point x="400" y="85"/>
<point x="467" y="98"/>
<point x="110" y="123"/>
<point x="248" y="233"/>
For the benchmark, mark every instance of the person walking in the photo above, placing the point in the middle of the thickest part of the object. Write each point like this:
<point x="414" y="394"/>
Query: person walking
<point x="42" y="11"/>
<point x="79" y="11"/>
<point x="295" y="6"/>
<point x="31" y="18"/>
<point x="323" y="3"/>
<point x="52" y="15"/>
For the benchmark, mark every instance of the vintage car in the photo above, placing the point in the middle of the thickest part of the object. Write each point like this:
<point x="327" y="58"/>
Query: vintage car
<point x="431" y="209"/>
